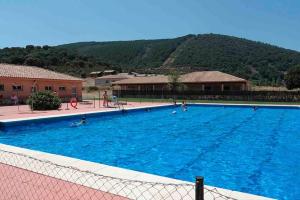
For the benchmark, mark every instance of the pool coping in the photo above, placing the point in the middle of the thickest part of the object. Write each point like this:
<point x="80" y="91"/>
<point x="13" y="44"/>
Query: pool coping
<point x="248" y="105"/>
<point x="81" y="113"/>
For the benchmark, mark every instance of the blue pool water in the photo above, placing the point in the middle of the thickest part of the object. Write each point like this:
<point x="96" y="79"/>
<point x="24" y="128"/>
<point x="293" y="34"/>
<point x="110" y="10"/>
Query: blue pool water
<point x="232" y="147"/>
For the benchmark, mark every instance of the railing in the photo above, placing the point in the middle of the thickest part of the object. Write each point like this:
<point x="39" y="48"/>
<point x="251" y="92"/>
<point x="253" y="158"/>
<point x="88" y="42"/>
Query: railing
<point x="26" y="177"/>
<point x="23" y="100"/>
<point x="280" y="96"/>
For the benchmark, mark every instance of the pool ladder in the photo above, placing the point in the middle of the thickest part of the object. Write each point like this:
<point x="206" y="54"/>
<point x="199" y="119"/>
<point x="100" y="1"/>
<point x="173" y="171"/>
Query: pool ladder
<point x="120" y="105"/>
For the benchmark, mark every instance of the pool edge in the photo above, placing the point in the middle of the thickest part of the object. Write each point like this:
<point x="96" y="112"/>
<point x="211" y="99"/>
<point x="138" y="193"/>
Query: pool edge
<point x="4" y="121"/>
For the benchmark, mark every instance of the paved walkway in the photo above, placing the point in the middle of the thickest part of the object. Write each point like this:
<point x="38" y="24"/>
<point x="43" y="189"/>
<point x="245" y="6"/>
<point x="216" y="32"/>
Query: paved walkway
<point x="23" y="111"/>
<point x="22" y="184"/>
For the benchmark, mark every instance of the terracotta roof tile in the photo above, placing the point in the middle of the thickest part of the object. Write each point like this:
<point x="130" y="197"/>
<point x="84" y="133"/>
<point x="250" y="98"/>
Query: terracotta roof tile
<point x="144" y="80"/>
<point x="209" y="76"/>
<point x="194" y="77"/>
<point x="20" y="71"/>
<point x="116" y="76"/>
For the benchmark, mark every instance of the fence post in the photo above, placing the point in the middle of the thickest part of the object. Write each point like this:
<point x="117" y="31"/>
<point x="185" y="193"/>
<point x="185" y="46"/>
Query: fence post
<point x="67" y="104"/>
<point x="94" y="102"/>
<point x="32" y="108"/>
<point x="99" y="99"/>
<point x="199" y="193"/>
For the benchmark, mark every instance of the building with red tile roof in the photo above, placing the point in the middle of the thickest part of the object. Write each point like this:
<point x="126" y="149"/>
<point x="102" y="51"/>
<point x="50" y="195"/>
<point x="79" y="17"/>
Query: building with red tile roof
<point x="22" y="81"/>
<point x="200" y="81"/>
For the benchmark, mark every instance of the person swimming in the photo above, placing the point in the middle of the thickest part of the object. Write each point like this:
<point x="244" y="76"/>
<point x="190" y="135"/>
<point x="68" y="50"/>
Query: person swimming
<point x="184" y="106"/>
<point x="81" y="122"/>
<point x="255" y="108"/>
<point x="174" y="102"/>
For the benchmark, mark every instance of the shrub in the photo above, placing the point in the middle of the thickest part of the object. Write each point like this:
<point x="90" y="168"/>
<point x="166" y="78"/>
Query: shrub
<point x="44" y="101"/>
<point x="92" y="89"/>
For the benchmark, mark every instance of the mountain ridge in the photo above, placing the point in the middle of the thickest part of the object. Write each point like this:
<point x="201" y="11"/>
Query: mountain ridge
<point x="262" y="63"/>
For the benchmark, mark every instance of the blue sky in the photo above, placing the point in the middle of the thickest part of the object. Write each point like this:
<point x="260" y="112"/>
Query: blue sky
<point x="53" y="22"/>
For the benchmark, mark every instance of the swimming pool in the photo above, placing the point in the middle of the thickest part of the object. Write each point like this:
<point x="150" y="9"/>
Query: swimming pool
<point x="232" y="147"/>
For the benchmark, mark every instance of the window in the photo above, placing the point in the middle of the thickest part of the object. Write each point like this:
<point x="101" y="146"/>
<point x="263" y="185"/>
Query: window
<point x="48" y="88"/>
<point x="34" y="89"/>
<point x="207" y="88"/>
<point x="236" y="88"/>
<point x="74" y="92"/>
<point x="132" y="87"/>
<point x="158" y="87"/>
<point x="226" y="88"/>
<point x="1" y="87"/>
<point x="62" y="88"/>
<point x="17" y="87"/>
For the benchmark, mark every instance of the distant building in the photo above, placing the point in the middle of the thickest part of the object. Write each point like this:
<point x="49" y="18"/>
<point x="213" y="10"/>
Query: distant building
<point x="197" y="81"/>
<point x="102" y="73"/>
<point x="109" y="79"/>
<point x="88" y="82"/>
<point x="109" y="72"/>
<point x="24" y="80"/>
<point x="96" y="74"/>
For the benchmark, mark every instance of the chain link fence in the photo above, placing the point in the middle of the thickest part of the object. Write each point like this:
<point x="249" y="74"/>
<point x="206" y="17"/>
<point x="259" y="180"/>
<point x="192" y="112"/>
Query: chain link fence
<point x="28" y="178"/>
<point x="263" y="96"/>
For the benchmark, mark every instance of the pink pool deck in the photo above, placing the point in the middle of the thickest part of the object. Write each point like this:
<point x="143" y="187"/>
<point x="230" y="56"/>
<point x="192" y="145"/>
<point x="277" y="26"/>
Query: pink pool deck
<point x="16" y="184"/>
<point x="23" y="111"/>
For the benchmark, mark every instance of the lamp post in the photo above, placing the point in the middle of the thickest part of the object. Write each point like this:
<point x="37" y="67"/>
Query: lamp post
<point x="15" y="98"/>
<point x="33" y="90"/>
<point x="99" y="99"/>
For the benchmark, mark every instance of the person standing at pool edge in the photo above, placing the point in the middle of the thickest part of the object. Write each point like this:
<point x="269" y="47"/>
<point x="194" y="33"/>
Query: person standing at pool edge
<point x="105" y="99"/>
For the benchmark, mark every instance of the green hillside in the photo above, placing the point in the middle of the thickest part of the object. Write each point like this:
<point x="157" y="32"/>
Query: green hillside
<point x="260" y="62"/>
<point x="264" y="64"/>
<point x="52" y="58"/>
<point x="139" y="53"/>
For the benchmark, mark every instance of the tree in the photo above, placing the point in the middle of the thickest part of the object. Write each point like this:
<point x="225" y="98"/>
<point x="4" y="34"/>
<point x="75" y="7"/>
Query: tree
<point x="33" y="61"/>
<point x="174" y="81"/>
<point x="292" y="78"/>
<point x="16" y="59"/>
<point x="45" y="47"/>
<point x="29" y="47"/>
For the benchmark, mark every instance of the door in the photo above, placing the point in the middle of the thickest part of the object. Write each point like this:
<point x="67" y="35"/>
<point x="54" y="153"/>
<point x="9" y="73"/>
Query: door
<point x="74" y="92"/>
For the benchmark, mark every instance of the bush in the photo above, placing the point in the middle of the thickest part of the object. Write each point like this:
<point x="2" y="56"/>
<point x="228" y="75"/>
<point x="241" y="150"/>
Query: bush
<point x="44" y="101"/>
<point x="92" y="89"/>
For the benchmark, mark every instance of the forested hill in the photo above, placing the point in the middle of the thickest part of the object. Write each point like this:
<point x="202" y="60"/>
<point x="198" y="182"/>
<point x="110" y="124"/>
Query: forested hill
<point x="259" y="62"/>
